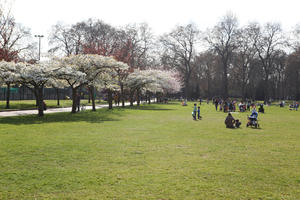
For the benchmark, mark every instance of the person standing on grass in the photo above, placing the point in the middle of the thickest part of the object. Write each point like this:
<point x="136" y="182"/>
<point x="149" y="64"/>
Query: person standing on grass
<point x="195" y="111"/>
<point x="198" y="111"/>
<point x="221" y="104"/>
<point x="216" y="104"/>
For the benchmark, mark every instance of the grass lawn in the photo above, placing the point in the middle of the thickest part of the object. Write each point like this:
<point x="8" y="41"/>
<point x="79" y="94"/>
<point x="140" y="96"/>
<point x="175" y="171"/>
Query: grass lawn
<point x="152" y="152"/>
<point x="30" y="104"/>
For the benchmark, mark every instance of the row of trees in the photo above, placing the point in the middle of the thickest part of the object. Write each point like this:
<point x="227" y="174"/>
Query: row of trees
<point x="92" y="72"/>
<point x="253" y="61"/>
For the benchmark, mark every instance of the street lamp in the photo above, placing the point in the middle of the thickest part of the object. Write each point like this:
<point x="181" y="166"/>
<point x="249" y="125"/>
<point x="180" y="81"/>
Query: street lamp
<point x="39" y="36"/>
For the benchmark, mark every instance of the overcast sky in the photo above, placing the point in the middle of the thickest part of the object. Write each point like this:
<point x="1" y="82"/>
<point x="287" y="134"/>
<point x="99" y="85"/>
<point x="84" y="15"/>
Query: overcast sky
<point x="161" y="15"/>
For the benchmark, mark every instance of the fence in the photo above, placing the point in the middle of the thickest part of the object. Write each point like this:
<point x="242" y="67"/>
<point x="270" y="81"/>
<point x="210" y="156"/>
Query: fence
<point x="23" y="93"/>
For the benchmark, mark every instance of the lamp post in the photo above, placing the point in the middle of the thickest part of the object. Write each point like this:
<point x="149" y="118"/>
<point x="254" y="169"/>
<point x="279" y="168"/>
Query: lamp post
<point x="39" y="36"/>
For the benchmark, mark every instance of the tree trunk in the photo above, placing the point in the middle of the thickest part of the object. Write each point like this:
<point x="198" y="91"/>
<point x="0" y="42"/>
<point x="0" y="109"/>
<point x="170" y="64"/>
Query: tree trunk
<point x="92" y="95"/>
<point x="122" y="95"/>
<point x="7" y="95"/>
<point x="110" y="99"/>
<point x="38" y="91"/>
<point x="208" y="87"/>
<point x="74" y="100"/>
<point x="149" y="98"/>
<point x="266" y="88"/>
<point x="225" y="81"/>
<point x="187" y="89"/>
<point x="41" y="105"/>
<point x="131" y="97"/>
<point x="23" y="95"/>
<point x="57" y="96"/>
<point x="137" y="97"/>
<point x="243" y="91"/>
<point x="297" y="85"/>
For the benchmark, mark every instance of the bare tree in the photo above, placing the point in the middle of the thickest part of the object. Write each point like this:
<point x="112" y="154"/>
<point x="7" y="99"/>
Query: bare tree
<point x="142" y="44"/>
<point x="223" y="40"/>
<point x="67" y="39"/>
<point x="267" y="42"/>
<point x="278" y="77"/>
<point x="293" y="75"/>
<point x="206" y="64"/>
<point x="179" y="51"/>
<point x="100" y="38"/>
<point x="243" y="58"/>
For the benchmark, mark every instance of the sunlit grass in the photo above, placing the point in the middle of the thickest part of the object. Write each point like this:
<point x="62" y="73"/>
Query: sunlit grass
<point x="151" y="152"/>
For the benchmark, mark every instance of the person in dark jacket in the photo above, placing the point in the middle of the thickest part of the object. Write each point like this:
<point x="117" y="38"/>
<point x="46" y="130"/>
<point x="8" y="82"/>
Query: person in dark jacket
<point x="229" y="121"/>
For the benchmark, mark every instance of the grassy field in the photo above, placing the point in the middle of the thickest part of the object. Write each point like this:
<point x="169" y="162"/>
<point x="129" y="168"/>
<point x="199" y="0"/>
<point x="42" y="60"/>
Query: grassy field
<point x="30" y="104"/>
<point x="152" y="152"/>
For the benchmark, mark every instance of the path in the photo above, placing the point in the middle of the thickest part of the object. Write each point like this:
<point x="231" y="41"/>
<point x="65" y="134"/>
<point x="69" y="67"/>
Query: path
<point x="50" y="110"/>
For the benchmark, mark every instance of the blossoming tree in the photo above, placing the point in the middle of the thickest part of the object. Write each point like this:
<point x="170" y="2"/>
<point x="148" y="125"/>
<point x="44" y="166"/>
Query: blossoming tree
<point x="7" y="76"/>
<point x="152" y="81"/>
<point x="84" y="70"/>
<point x="36" y="77"/>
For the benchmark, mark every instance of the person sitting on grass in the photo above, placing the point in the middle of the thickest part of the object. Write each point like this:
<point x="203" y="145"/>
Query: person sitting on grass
<point x="237" y="123"/>
<point x="229" y="121"/>
<point x="254" y="114"/>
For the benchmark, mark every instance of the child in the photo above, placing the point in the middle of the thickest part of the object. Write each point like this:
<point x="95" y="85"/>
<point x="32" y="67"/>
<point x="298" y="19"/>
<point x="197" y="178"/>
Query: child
<point x="198" y="111"/>
<point x="195" y="111"/>
<point x="237" y="123"/>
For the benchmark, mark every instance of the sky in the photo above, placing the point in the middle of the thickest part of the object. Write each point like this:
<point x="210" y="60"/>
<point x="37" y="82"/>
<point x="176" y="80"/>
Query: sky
<point x="161" y="15"/>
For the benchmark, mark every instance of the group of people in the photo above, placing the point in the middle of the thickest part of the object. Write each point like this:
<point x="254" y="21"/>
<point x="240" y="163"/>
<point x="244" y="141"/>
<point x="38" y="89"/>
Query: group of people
<point x="293" y="106"/>
<point x="231" y="105"/>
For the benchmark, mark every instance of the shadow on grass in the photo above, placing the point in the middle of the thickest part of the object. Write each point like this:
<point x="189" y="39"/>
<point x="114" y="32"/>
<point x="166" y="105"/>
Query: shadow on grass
<point x="152" y="107"/>
<point x="170" y="103"/>
<point x="100" y="116"/>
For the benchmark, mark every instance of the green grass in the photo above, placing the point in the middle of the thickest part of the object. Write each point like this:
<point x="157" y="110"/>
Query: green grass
<point x="30" y="104"/>
<point x="151" y="152"/>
